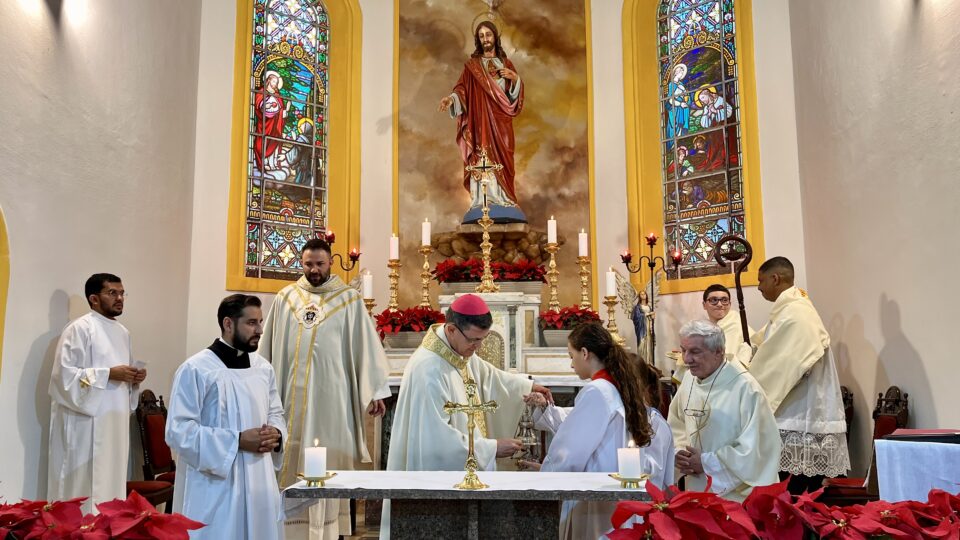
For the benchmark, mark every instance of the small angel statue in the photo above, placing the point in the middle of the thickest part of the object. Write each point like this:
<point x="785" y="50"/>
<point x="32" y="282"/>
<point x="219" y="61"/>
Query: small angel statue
<point x="636" y="305"/>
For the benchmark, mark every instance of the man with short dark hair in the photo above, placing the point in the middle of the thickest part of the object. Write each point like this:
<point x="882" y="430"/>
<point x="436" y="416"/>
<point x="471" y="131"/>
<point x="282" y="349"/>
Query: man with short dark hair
<point x="331" y="371"/>
<point x="225" y="424"/>
<point x="94" y="387"/>
<point x="795" y="367"/>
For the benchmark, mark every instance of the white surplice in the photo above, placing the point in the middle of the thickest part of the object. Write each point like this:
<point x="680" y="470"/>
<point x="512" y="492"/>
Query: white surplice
<point x="90" y="414"/>
<point x="586" y="439"/>
<point x="233" y="492"/>
<point x="795" y="367"/>
<point x="330" y="365"/>
<point x="727" y="417"/>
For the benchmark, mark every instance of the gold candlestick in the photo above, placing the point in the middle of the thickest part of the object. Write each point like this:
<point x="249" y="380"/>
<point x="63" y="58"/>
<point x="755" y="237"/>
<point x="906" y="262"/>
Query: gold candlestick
<point x="584" y="263"/>
<point x="394" y="266"/>
<point x="370" y="303"/>
<point x="486" y="280"/>
<point x="553" y="276"/>
<point x="425" y="276"/>
<point x="611" y="303"/>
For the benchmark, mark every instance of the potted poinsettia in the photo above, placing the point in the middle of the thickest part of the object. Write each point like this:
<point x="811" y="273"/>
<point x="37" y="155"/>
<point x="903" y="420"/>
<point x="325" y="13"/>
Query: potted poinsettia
<point x="521" y="276"/>
<point x="557" y="325"/>
<point x="405" y="328"/>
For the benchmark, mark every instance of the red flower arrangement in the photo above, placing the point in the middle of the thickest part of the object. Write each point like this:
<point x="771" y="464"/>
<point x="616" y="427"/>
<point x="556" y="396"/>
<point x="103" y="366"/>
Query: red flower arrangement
<point x="415" y="319"/>
<point x="134" y="518"/>
<point x="770" y="512"/>
<point x="471" y="270"/>
<point x="567" y="318"/>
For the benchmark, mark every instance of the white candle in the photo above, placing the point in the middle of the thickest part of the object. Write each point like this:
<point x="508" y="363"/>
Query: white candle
<point x="628" y="462"/>
<point x="368" y="285"/>
<point x="425" y="233"/>
<point x="611" y="283"/>
<point x="551" y="231"/>
<point x="583" y="244"/>
<point x="394" y="247"/>
<point x="315" y="461"/>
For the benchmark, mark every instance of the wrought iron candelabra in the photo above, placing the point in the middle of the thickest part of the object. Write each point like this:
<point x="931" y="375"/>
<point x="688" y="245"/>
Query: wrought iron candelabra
<point x="652" y="261"/>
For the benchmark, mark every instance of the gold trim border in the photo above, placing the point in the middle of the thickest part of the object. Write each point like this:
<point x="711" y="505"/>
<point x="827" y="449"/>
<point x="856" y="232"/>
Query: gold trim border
<point x="591" y="161"/>
<point x="343" y="153"/>
<point x="642" y="119"/>
<point x="4" y="281"/>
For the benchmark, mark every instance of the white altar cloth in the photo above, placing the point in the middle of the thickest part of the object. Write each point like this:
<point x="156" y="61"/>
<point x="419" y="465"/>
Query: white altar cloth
<point x="908" y="470"/>
<point x="439" y="485"/>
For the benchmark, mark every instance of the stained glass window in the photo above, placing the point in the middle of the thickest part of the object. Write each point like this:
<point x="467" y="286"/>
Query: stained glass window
<point x="286" y="174"/>
<point x="700" y="131"/>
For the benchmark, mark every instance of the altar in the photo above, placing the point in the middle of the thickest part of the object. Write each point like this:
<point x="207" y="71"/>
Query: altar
<point x="425" y="504"/>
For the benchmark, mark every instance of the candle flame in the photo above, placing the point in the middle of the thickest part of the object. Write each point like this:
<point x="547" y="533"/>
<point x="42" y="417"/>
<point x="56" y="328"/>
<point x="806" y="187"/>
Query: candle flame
<point x="316" y="442"/>
<point x="551" y="218"/>
<point x="426" y="220"/>
<point x="631" y="444"/>
<point x="582" y="231"/>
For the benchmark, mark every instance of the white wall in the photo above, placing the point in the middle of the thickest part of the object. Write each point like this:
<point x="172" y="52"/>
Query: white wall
<point x="876" y="86"/>
<point x="98" y="116"/>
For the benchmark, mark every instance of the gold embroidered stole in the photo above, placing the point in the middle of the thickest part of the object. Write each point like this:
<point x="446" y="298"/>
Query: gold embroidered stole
<point x="328" y="299"/>
<point x="434" y="344"/>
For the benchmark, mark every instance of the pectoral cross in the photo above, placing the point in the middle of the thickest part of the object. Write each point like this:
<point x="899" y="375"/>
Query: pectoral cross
<point x="473" y="409"/>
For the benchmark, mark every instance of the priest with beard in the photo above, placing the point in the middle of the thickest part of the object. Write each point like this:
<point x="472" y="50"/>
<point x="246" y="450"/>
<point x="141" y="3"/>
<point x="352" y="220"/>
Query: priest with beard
<point x="331" y="369"/>
<point x="424" y="437"/>
<point x="225" y="424"/>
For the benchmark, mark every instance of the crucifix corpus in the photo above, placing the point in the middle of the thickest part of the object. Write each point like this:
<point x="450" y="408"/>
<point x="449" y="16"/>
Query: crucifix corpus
<point x="473" y="409"/>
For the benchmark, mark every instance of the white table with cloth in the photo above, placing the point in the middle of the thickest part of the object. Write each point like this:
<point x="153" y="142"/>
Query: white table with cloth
<point x="908" y="470"/>
<point x="426" y="505"/>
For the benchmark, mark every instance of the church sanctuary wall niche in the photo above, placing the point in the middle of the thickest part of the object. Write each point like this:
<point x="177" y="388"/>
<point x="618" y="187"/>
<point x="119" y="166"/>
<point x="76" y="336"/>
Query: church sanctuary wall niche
<point x="525" y="107"/>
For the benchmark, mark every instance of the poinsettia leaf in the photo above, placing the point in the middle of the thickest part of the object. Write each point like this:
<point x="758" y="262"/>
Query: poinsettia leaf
<point x="665" y="526"/>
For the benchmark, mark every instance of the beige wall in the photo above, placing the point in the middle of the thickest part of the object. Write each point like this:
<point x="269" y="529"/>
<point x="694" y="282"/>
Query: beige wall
<point x="876" y="106"/>
<point x="97" y="116"/>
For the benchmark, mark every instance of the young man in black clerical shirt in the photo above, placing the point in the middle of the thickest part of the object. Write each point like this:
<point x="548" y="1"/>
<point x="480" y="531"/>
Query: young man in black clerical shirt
<point x="226" y="423"/>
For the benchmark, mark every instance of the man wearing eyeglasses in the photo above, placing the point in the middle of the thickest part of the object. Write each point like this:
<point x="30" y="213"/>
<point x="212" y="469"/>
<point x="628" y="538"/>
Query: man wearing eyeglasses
<point x="94" y="386"/>
<point x="424" y="438"/>
<point x="721" y="422"/>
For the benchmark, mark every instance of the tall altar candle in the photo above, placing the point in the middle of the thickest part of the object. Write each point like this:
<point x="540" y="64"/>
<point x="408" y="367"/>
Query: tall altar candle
<point x="394" y="247"/>
<point x="583" y="251"/>
<point x="611" y="283"/>
<point x="367" y="285"/>
<point x="551" y="231"/>
<point x="315" y="461"/>
<point x="425" y="233"/>
<point x="628" y="461"/>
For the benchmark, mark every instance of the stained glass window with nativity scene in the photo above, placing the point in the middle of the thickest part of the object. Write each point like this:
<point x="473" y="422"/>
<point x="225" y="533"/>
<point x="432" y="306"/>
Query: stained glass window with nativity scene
<point x="700" y="131"/>
<point x="287" y="146"/>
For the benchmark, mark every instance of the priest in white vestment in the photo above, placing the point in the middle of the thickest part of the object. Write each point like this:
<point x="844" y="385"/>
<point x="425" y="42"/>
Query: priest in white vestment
<point x="423" y="436"/>
<point x="94" y="389"/>
<point x="225" y="424"/>
<point x="722" y="425"/>
<point x="795" y="367"/>
<point x="587" y="435"/>
<point x="331" y="369"/>
<point x="717" y="303"/>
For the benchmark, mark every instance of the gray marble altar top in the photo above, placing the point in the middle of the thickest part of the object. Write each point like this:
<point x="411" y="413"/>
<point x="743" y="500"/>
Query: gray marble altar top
<point x="504" y="485"/>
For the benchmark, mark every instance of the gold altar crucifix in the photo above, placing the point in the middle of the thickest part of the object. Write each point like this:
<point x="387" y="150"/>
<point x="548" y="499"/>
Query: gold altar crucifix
<point x="473" y="408"/>
<point x="482" y="165"/>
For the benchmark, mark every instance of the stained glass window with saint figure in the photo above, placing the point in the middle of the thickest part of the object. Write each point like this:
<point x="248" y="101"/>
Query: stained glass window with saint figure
<point x="287" y="147"/>
<point x="700" y="131"/>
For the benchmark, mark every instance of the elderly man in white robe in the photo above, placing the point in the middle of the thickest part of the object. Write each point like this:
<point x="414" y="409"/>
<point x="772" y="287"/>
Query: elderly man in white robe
<point x="225" y="424"/>
<point x="721" y="422"/>
<point x="424" y="437"/>
<point x="331" y="368"/>
<point x="94" y="388"/>
<point x="716" y="304"/>
<point x="795" y="367"/>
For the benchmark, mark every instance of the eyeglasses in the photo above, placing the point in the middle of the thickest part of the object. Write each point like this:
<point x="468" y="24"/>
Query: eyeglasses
<point x="112" y="293"/>
<point x="715" y="300"/>
<point x="470" y="340"/>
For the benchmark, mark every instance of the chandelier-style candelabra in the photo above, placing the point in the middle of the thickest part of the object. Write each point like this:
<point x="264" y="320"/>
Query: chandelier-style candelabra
<point x="652" y="261"/>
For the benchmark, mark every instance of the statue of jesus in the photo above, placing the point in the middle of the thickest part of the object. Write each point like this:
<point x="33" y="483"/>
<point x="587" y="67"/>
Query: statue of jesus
<point x="485" y="100"/>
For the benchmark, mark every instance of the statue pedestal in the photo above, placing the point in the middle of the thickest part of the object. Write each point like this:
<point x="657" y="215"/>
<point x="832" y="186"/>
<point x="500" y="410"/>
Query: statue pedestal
<point x="511" y="242"/>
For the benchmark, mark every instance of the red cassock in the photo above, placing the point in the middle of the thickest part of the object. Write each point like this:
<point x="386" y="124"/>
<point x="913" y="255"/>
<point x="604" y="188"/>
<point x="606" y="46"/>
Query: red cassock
<point x="487" y="121"/>
<point x="268" y="109"/>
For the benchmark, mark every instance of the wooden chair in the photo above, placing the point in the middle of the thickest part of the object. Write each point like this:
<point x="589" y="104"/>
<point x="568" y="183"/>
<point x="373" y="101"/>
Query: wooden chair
<point x="891" y="413"/>
<point x="159" y="468"/>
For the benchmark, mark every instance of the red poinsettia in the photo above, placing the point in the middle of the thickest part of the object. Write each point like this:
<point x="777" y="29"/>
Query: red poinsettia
<point x="136" y="518"/>
<point x="771" y="509"/>
<point x="674" y="515"/>
<point x="471" y="270"/>
<point x="521" y="270"/>
<point x="567" y="318"/>
<point x="415" y="319"/>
